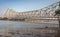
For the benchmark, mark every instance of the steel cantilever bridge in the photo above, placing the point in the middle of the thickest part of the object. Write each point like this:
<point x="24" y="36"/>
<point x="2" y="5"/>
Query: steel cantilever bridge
<point x="44" y="13"/>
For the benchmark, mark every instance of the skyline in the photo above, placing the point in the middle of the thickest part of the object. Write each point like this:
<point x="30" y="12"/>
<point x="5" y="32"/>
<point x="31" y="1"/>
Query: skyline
<point x="24" y="5"/>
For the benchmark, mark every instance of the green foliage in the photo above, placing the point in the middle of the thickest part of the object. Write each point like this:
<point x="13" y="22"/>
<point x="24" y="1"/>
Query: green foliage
<point x="59" y="3"/>
<point x="57" y="12"/>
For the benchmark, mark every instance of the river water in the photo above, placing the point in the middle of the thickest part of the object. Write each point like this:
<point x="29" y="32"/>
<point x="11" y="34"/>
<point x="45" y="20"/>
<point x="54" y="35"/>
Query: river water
<point x="17" y="24"/>
<point x="4" y="24"/>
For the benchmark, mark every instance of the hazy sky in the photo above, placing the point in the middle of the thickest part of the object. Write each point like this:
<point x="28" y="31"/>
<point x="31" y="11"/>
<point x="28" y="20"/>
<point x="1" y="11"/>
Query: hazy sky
<point x="24" y="5"/>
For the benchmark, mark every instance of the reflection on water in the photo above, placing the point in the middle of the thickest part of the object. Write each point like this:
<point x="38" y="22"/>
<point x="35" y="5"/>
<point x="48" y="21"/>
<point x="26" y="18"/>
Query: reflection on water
<point x="24" y="29"/>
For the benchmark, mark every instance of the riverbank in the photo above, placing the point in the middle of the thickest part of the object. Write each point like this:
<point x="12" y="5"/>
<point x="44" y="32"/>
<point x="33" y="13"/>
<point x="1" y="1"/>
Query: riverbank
<point x="26" y="32"/>
<point x="29" y="20"/>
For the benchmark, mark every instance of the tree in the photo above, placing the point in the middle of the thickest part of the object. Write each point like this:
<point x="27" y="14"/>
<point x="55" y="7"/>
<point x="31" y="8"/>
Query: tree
<point x="57" y="13"/>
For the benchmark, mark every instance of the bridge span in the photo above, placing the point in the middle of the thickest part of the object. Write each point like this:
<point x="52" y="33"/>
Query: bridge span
<point x="46" y="13"/>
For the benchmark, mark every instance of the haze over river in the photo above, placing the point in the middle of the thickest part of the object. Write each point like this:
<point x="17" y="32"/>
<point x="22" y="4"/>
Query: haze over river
<point x="17" y="24"/>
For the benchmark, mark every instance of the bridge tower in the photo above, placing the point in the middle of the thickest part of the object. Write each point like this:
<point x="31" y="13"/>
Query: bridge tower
<point x="9" y="13"/>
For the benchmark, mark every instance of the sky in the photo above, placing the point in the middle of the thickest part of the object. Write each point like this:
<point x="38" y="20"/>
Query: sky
<point x="24" y="5"/>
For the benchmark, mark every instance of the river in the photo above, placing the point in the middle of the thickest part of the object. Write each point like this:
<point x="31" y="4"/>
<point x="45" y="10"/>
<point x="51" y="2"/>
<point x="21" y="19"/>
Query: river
<point x="5" y="24"/>
<point x="17" y="24"/>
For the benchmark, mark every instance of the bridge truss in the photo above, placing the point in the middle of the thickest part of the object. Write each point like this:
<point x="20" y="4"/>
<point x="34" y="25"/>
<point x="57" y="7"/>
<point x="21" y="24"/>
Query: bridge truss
<point x="46" y="12"/>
